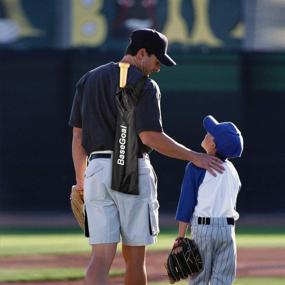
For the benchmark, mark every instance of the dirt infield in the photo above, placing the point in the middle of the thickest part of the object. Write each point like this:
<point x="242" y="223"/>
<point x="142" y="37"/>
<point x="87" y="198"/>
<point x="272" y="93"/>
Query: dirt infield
<point x="269" y="262"/>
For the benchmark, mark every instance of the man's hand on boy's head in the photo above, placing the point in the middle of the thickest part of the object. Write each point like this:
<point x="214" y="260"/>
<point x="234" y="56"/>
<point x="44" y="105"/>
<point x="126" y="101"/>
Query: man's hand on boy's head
<point x="209" y="162"/>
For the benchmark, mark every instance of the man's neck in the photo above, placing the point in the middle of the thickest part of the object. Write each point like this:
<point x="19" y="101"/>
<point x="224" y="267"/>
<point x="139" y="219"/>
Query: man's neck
<point x="132" y="60"/>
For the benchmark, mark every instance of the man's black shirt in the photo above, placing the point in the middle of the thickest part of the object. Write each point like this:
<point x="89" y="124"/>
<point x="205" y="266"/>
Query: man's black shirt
<point x="94" y="109"/>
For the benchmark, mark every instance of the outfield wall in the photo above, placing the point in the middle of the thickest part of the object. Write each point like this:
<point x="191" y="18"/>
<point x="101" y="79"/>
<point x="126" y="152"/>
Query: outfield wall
<point x="36" y="91"/>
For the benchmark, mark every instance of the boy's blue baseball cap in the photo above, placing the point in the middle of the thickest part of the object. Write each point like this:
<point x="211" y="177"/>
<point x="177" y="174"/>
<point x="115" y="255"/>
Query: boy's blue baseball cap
<point x="228" y="138"/>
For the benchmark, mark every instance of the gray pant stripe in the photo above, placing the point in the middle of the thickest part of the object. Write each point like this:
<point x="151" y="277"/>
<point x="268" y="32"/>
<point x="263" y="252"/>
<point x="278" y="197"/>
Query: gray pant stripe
<point x="228" y="265"/>
<point x="209" y="250"/>
<point x="227" y="254"/>
<point x="230" y="268"/>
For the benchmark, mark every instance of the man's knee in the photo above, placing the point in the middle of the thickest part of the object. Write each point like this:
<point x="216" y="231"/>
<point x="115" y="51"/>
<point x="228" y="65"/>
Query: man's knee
<point x="135" y="254"/>
<point x="96" y="273"/>
<point x="99" y="265"/>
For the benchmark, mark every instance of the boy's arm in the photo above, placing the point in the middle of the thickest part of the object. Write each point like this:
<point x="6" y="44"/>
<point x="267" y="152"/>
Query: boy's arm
<point x="182" y="229"/>
<point x="192" y="180"/>
<point x="189" y="191"/>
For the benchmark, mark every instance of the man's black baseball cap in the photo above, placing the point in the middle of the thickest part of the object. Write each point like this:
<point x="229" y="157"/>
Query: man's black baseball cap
<point x="154" y="42"/>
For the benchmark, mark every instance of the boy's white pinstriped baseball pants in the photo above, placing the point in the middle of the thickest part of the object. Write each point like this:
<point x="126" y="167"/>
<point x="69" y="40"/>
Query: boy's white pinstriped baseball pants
<point x="217" y="246"/>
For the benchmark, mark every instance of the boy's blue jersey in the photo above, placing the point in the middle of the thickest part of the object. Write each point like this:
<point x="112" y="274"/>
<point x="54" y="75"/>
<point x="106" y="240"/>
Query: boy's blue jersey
<point x="193" y="178"/>
<point x="205" y="195"/>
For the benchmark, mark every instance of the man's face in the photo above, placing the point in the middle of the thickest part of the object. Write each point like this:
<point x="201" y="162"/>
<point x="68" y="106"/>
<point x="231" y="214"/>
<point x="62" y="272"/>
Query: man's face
<point x="150" y="64"/>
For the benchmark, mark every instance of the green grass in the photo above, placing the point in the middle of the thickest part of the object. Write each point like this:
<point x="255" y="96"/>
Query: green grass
<point x="30" y="244"/>
<point x="45" y="274"/>
<point x="39" y="274"/>
<point x="261" y="237"/>
<point x="246" y="237"/>
<point x="68" y="241"/>
<point x="60" y="241"/>
<point x="60" y="274"/>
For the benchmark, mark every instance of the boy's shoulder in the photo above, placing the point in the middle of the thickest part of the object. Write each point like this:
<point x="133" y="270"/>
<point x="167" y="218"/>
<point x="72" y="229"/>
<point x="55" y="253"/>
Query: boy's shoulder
<point x="192" y="169"/>
<point x="232" y="169"/>
<point x="194" y="175"/>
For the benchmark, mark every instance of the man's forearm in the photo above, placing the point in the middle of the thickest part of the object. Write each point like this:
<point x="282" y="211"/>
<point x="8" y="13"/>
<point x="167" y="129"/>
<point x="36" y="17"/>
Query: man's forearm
<point x="79" y="157"/>
<point x="165" y="145"/>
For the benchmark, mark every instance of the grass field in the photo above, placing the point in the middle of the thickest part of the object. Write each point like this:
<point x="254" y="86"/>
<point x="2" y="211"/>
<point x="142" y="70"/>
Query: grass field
<point x="55" y="274"/>
<point x="69" y="241"/>
<point x="65" y="241"/>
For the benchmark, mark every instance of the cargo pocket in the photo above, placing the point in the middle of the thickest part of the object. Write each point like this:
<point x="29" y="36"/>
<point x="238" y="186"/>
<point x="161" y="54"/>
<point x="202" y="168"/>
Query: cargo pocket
<point x="153" y="218"/>
<point x="86" y="227"/>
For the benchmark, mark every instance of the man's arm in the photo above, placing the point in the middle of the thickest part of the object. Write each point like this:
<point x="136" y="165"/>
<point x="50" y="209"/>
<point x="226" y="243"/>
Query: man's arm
<point x="165" y="145"/>
<point x="79" y="157"/>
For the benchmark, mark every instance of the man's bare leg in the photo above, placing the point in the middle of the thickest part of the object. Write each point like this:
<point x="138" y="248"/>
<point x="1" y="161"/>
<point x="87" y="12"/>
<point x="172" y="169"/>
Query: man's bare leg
<point x="97" y="272"/>
<point x="135" y="265"/>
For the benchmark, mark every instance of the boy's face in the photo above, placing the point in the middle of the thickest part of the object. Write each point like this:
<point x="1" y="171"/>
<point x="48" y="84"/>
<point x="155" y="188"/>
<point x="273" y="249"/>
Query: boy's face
<point x="208" y="144"/>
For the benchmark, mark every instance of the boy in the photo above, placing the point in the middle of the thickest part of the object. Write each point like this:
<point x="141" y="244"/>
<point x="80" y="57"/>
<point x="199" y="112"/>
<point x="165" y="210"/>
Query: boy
<point x="209" y="203"/>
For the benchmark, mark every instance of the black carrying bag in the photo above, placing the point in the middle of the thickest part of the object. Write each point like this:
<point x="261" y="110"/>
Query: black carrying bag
<point x="126" y="146"/>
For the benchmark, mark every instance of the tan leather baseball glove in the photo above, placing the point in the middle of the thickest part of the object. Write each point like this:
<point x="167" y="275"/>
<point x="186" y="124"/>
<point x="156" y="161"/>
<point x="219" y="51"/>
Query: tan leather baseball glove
<point x="77" y="206"/>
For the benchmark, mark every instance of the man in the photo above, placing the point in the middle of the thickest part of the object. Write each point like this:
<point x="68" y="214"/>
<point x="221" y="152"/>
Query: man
<point x="113" y="215"/>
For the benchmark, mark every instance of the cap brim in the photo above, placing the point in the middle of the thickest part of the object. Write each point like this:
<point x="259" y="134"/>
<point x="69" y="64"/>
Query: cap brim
<point x="166" y="59"/>
<point x="210" y="124"/>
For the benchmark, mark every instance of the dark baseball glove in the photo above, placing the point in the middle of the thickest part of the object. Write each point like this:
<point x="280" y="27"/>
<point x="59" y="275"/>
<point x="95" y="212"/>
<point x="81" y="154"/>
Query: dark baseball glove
<point x="184" y="260"/>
